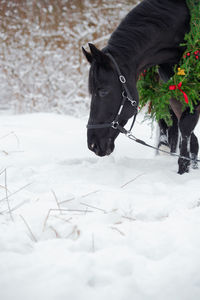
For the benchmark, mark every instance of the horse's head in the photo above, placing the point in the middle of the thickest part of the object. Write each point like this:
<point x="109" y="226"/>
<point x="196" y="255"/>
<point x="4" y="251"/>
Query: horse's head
<point x="107" y="95"/>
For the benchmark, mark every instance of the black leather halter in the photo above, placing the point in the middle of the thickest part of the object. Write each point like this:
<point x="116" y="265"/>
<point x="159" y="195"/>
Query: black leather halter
<point x="126" y="96"/>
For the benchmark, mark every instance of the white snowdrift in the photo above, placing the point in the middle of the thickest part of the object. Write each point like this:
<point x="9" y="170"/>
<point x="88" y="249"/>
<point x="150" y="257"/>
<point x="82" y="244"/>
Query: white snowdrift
<point x="121" y="227"/>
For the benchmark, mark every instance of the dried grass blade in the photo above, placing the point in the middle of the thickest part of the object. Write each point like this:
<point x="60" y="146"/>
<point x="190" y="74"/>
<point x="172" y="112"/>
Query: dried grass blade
<point x="29" y="229"/>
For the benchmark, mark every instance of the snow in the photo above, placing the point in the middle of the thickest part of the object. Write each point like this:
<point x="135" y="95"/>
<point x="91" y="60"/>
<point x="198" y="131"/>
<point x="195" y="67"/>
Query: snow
<point x="121" y="227"/>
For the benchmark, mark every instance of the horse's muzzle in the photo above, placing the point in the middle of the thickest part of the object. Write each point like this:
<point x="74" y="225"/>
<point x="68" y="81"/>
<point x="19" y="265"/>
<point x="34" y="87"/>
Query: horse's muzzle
<point x="102" y="147"/>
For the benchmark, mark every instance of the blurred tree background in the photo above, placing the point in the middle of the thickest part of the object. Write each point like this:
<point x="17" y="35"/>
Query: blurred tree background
<point x="41" y="64"/>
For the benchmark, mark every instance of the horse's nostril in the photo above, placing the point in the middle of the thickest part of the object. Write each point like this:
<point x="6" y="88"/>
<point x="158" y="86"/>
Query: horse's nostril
<point x="92" y="146"/>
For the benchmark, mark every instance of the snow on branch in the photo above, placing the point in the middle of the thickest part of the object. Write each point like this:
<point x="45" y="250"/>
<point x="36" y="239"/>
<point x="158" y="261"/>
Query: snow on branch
<point x="41" y="64"/>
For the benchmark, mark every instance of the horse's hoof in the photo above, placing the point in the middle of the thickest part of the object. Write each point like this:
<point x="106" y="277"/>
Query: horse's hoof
<point x="181" y="172"/>
<point x="183" y="168"/>
<point x="194" y="161"/>
<point x="195" y="165"/>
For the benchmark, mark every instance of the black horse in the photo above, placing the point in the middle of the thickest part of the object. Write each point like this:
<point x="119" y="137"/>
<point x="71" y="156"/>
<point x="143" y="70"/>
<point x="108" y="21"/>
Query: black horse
<point x="149" y="35"/>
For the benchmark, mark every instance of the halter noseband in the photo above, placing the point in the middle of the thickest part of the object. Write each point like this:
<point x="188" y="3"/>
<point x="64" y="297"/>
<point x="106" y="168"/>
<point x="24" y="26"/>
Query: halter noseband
<point x="125" y="96"/>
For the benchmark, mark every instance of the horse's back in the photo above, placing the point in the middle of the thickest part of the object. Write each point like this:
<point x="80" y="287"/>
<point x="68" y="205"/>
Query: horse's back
<point x="164" y="14"/>
<point x="153" y="22"/>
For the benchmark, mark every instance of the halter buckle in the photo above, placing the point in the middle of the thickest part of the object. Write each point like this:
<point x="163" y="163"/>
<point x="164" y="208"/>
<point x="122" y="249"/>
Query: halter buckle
<point x="114" y="124"/>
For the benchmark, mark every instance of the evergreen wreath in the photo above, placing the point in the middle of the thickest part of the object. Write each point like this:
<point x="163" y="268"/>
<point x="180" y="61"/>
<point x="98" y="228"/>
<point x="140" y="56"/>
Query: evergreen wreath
<point x="184" y="85"/>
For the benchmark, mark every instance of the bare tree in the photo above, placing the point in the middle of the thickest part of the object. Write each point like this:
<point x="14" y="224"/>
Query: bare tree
<point x="41" y="64"/>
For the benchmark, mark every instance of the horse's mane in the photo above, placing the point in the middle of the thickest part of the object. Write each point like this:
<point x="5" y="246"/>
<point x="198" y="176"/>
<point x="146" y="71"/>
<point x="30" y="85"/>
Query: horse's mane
<point x="144" y="23"/>
<point x="144" y="27"/>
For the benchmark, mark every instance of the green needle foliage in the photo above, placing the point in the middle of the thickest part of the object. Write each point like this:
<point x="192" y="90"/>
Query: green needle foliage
<point x="157" y="93"/>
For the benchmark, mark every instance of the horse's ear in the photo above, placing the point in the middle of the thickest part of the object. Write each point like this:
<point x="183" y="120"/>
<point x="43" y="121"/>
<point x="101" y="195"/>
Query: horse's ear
<point x="87" y="55"/>
<point x="97" y="54"/>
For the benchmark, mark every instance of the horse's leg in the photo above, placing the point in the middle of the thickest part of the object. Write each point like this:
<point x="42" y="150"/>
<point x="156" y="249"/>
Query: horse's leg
<point x="169" y="134"/>
<point x="187" y="124"/>
<point x="163" y="138"/>
<point x="194" y="149"/>
<point x="173" y="133"/>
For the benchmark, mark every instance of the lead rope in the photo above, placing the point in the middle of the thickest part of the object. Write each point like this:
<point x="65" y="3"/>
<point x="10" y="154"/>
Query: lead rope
<point x="129" y="134"/>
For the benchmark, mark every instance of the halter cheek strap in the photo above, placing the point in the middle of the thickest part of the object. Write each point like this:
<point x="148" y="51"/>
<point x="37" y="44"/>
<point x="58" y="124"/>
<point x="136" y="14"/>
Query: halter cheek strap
<point x="126" y="96"/>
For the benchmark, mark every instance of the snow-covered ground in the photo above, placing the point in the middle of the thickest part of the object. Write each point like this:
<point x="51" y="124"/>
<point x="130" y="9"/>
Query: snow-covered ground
<point x="75" y="226"/>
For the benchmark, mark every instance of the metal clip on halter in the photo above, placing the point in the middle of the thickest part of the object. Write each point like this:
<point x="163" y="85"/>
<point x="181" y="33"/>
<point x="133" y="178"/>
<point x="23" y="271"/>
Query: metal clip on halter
<point x="122" y="79"/>
<point x="114" y="125"/>
<point x="133" y="102"/>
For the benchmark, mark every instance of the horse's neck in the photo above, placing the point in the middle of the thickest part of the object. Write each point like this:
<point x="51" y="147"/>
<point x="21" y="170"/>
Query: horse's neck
<point x="137" y="44"/>
<point x="136" y="61"/>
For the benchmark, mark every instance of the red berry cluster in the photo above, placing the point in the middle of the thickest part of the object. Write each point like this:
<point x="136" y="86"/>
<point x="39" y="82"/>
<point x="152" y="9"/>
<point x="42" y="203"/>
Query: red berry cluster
<point x="143" y="74"/>
<point x="196" y="54"/>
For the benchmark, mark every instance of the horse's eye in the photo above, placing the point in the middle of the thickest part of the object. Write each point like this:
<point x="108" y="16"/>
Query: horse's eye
<point x="103" y="93"/>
